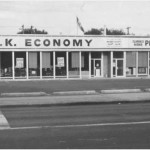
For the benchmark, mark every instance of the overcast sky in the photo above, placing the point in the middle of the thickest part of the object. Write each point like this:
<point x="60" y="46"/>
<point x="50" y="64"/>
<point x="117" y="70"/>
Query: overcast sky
<point x="59" y="17"/>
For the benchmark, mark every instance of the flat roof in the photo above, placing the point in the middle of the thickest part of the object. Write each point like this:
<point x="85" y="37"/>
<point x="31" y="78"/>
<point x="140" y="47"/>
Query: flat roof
<point x="47" y="35"/>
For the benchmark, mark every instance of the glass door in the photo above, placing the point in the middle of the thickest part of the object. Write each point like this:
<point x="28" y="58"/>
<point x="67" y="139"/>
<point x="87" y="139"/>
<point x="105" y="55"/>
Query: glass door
<point x="117" y="68"/>
<point x="97" y="68"/>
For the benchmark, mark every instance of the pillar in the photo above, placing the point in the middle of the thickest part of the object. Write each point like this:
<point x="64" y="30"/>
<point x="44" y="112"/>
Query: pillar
<point x="102" y="64"/>
<point x="27" y="65"/>
<point x="124" y="64"/>
<point x="148" y="64"/>
<point x="13" y="65"/>
<point x="54" y="69"/>
<point x="40" y="65"/>
<point x="67" y="61"/>
<point x="111" y="64"/>
<point x="89" y="64"/>
<point x="137" y="64"/>
<point x="80" y="65"/>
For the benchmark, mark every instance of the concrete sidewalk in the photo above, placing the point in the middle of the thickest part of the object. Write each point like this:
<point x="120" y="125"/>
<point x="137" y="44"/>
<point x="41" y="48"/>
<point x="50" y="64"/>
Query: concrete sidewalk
<point x="60" y="92"/>
<point x="75" y="99"/>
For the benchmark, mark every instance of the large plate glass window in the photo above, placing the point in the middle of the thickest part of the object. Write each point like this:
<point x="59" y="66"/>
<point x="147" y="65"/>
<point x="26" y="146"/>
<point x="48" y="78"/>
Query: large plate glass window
<point x="6" y="64"/>
<point x="142" y="63"/>
<point x="47" y="64"/>
<point x="34" y="64"/>
<point x="131" y="64"/>
<point x="60" y="64"/>
<point x="74" y="65"/>
<point x="20" y="64"/>
<point x="85" y="64"/>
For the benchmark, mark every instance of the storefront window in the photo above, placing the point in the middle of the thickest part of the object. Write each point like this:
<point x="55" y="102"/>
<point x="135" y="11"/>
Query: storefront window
<point x="47" y="64"/>
<point x="60" y="63"/>
<point x="6" y="64"/>
<point x="85" y="64"/>
<point x="74" y="65"/>
<point x="20" y="64"/>
<point x="130" y="63"/>
<point x="34" y="64"/>
<point x="142" y="63"/>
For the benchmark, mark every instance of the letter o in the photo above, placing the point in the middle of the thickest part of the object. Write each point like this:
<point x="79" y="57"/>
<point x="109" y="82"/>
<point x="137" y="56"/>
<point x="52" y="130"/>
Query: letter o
<point x="37" y="42"/>
<point x="66" y="42"/>
<point x="46" y="42"/>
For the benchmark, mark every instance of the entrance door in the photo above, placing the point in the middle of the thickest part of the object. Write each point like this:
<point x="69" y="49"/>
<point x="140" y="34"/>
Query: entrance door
<point x="97" y="68"/>
<point x="117" y="68"/>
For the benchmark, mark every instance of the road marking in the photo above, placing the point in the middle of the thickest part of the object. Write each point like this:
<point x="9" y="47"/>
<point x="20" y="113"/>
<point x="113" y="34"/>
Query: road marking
<point x="77" y="125"/>
<point x="3" y="122"/>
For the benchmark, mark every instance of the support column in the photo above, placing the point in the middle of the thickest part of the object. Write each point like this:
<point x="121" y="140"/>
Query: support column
<point x="13" y="65"/>
<point x="54" y="69"/>
<point x="137" y="64"/>
<point x="102" y="64"/>
<point x="111" y="64"/>
<point x="27" y="65"/>
<point x="80" y="64"/>
<point x="67" y="61"/>
<point x="124" y="64"/>
<point x="0" y="64"/>
<point x="148" y="64"/>
<point x="40" y="65"/>
<point x="90" y="65"/>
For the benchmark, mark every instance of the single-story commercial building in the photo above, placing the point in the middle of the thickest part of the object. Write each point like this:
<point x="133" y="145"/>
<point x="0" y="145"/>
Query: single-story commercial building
<point x="51" y="57"/>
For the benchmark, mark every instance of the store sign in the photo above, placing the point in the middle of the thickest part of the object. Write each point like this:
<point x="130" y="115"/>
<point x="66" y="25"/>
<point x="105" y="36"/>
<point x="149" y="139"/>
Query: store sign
<point x="71" y="42"/>
<point x="60" y="62"/>
<point x="19" y="62"/>
<point x="113" y="42"/>
<point x="44" y="42"/>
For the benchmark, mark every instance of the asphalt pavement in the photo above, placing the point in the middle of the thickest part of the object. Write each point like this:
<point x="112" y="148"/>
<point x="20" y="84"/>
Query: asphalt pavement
<point x="114" y="126"/>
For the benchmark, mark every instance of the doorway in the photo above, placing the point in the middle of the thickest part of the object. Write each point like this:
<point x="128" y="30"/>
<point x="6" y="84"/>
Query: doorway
<point x="117" y="68"/>
<point x="96" y="67"/>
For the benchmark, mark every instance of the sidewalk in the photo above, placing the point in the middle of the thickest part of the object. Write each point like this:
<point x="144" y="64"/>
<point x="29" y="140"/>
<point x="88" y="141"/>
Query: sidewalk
<point x="62" y="92"/>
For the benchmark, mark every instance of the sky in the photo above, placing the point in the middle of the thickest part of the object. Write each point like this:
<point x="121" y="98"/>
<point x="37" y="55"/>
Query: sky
<point x="59" y="17"/>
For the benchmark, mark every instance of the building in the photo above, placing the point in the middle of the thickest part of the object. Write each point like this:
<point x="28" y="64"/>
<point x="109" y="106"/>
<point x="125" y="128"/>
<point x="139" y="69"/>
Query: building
<point x="51" y="57"/>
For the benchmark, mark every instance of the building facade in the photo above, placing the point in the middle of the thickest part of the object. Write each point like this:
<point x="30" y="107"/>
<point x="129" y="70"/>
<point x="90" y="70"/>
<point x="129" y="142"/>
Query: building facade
<point x="67" y="57"/>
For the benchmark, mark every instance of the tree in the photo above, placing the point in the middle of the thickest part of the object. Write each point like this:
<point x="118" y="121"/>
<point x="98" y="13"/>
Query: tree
<point x="94" y="31"/>
<point x="100" y="31"/>
<point x="31" y="30"/>
<point x="115" y="32"/>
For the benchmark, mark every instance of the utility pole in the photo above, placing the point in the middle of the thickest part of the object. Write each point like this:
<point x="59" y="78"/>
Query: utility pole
<point x="128" y="28"/>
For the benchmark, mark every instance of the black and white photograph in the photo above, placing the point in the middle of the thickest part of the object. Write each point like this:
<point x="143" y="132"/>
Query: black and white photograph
<point x="74" y="74"/>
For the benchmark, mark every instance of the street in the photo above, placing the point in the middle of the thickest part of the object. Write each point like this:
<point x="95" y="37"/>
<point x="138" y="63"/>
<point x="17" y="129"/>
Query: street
<point x="77" y="126"/>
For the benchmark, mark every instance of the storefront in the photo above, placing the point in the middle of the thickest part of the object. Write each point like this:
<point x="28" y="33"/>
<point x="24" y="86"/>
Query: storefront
<point x="66" y="57"/>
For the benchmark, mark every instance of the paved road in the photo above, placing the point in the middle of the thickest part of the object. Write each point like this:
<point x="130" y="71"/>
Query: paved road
<point x="83" y="126"/>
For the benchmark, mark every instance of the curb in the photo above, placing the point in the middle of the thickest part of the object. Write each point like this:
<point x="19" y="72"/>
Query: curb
<point x="85" y="92"/>
<point x="147" y="90"/>
<point x="115" y="91"/>
<point x="23" y="94"/>
<point x="75" y="92"/>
